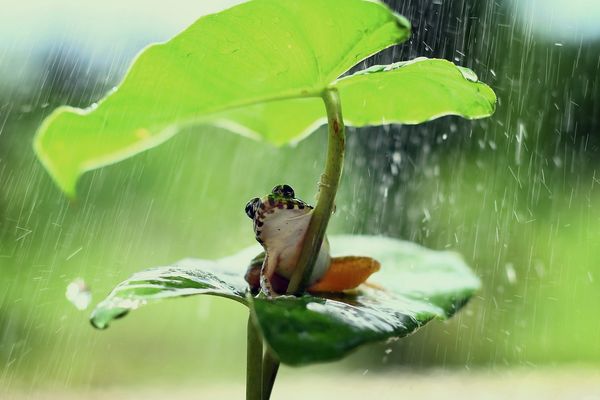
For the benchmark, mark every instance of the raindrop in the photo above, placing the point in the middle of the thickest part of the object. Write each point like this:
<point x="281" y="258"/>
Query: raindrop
<point x="79" y="294"/>
<point x="539" y="269"/>
<point x="557" y="161"/>
<point x="519" y="143"/>
<point x="511" y="274"/>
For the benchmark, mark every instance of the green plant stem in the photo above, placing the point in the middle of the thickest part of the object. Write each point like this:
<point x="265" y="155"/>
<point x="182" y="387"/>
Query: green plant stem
<point x="254" y="363"/>
<point x="327" y="191"/>
<point x="320" y="218"/>
<point x="270" y="368"/>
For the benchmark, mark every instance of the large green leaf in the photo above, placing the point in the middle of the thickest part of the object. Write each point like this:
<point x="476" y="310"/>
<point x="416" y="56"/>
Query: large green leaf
<point x="256" y="52"/>
<point x="406" y="93"/>
<point x="417" y="285"/>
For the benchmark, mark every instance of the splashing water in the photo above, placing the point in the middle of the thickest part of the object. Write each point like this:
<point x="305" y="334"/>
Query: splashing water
<point x="79" y="294"/>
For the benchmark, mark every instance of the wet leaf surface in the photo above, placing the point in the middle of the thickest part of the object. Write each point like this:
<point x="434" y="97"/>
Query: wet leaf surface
<point x="414" y="286"/>
<point x="184" y="278"/>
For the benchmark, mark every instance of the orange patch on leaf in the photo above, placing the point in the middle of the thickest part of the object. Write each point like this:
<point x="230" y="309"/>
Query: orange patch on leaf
<point x="346" y="273"/>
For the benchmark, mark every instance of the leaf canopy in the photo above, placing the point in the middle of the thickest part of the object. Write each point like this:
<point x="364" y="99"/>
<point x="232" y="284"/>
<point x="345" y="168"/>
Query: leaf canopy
<point x="405" y="93"/>
<point x="259" y="51"/>
<point x="258" y="69"/>
<point x="414" y="285"/>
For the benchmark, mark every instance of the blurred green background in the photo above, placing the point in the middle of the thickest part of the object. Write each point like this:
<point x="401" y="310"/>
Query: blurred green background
<point x="516" y="194"/>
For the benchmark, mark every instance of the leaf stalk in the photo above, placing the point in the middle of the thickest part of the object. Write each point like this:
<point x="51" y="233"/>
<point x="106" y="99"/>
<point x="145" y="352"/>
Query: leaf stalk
<point x="317" y="226"/>
<point x="270" y="369"/>
<point x="254" y="362"/>
<point x="328" y="186"/>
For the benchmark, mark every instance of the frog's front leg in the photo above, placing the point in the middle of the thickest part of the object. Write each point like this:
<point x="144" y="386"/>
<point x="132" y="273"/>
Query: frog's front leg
<point x="266" y="274"/>
<point x="261" y="273"/>
<point x="254" y="273"/>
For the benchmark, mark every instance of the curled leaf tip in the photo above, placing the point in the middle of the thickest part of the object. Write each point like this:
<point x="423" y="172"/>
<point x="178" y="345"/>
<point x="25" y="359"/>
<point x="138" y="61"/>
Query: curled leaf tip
<point x="403" y="23"/>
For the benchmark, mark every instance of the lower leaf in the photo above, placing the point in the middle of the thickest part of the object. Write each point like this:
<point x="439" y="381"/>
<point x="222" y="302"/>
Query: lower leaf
<point x="414" y="286"/>
<point x="184" y="278"/>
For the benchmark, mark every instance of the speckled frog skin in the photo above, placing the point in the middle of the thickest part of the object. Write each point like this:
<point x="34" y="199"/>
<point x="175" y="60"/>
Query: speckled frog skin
<point x="280" y="222"/>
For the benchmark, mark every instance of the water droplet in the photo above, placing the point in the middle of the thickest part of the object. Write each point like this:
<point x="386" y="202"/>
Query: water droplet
<point x="511" y="274"/>
<point x="557" y="161"/>
<point x="78" y="293"/>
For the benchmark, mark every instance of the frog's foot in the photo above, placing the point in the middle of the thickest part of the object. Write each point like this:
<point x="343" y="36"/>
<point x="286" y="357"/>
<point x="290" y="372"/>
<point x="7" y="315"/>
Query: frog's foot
<point x="345" y="273"/>
<point x="266" y="287"/>
<point x="252" y="275"/>
<point x="270" y="282"/>
<point x="278" y="283"/>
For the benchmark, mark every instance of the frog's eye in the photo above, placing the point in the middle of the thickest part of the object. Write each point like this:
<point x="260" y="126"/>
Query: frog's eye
<point x="251" y="207"/>
<point x="284" y="191"/>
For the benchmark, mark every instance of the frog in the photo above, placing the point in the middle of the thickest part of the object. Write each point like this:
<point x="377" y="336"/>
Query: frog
<point x="280" y="221"/>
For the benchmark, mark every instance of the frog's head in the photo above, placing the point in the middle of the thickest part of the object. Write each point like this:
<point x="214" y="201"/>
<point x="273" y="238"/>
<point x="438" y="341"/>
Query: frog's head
<point x="279" y="194"/>
<point x="278" y="215"/>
